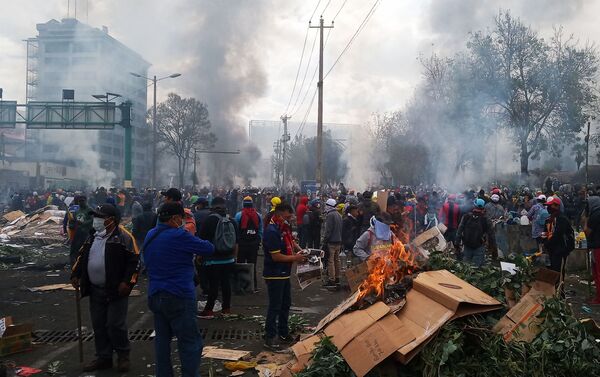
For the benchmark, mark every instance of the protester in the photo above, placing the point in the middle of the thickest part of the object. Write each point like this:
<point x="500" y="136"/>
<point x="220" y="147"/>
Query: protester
<point x="312" y="219"/>
<point x="473" y="231"/>
<point x="249" y="222"/>
<point x="201" y="212"/>
<point x="592" y="234"/>
<point x="79" y="226"/>
<point x="350" y="229"/>
<point x="142" y="224"/>
<point x="495" y="212"/>
<point x="223" y="233"/>
<point x="168" y="253"/>
<point x="106" y="269"/>
<point x="537" y="215"/>
<point x="378" y="237"/>
<point x="558" y="238"/>
<point x="301" y="210"/>
<point x="450" y="216"/>
<point x="173" y="195"/>
<point x="367" y="209"/>
<point x="332" y="238"/>
<point x="280" y="248"/>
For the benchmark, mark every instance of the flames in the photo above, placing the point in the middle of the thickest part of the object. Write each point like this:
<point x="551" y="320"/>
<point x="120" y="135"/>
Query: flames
<point x="387" y="267"/>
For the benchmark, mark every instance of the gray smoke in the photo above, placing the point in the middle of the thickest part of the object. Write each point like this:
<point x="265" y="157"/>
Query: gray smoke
<point x="226" y="71"/>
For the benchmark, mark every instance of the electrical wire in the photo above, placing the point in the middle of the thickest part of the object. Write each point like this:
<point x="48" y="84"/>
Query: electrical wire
<point x="326" y="6"/>
<point x="298" y="71"/>
<point x="305" y="73"/>
<point x="315" y="11"/>
<point x="356" y="33"/>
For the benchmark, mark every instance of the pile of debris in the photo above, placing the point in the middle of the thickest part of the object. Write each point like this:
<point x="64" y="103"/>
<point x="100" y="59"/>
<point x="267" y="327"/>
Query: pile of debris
<point x="447" y="326"/>
<point x="42" y="227"/>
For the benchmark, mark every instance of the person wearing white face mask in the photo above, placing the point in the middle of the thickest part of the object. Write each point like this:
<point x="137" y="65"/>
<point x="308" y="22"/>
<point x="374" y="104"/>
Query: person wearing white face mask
<point x="106" y="270"/>
<point x="378" y="237"/>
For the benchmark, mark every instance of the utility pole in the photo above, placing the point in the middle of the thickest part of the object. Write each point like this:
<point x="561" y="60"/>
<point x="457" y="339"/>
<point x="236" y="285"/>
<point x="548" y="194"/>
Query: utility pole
<point x="284" y="140"/>
<point x="319" y="172"/>
<point x="154" y="138"/>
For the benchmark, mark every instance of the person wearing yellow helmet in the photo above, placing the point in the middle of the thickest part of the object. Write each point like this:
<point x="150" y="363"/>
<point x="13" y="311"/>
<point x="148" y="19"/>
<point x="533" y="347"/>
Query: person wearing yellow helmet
<point x="275" y="201"/>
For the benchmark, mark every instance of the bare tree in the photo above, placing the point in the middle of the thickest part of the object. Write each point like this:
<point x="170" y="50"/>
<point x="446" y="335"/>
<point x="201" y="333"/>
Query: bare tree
<point x="182" y="126"/>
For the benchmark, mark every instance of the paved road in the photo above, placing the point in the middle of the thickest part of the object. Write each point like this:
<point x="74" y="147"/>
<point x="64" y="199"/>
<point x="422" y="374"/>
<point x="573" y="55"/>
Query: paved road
<point x="55" y="311"/>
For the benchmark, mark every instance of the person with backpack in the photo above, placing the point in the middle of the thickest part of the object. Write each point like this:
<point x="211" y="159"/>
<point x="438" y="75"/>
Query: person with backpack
<point x="473" y="230"/>
<point x="222" y="232"/>
<point x="249" y="222"/>
<point x="559" y="237"/>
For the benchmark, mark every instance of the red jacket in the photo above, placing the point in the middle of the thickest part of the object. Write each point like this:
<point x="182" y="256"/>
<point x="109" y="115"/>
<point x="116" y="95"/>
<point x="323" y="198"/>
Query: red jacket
<point x="301" y="210"/>
<point x="450" y="215"/>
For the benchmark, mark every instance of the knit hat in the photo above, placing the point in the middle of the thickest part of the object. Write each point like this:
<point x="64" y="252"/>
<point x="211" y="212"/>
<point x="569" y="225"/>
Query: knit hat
<point x="247" y="203"/>
<point x="495" y="198"/>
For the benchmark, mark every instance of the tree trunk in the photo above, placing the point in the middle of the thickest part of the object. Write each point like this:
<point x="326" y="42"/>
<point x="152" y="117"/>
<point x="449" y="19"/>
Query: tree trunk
<point x="180" y="171"/>
<point x="524" y="159"/>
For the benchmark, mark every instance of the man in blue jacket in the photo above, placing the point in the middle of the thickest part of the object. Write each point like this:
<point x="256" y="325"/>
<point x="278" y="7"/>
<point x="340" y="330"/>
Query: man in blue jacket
<point x="169" y="252"/>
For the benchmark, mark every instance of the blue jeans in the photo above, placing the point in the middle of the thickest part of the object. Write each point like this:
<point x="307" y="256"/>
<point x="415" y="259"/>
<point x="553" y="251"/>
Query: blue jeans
<point x="280" y="301"/>
<point x="474" y="256"/>
<point x="176" y="316"/>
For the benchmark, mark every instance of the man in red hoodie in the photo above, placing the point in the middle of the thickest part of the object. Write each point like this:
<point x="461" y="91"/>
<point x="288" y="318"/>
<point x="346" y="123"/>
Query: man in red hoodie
<point x="300" y="212"/>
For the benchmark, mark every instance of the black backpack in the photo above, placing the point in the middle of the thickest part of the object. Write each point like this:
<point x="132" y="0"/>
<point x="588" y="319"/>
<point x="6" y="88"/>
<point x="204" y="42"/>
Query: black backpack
<point x="249" y="235"/>
<point x="474" y="230"/>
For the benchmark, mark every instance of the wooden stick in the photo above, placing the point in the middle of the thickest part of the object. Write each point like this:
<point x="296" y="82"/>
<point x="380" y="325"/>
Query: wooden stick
<point x="79" y="335"/>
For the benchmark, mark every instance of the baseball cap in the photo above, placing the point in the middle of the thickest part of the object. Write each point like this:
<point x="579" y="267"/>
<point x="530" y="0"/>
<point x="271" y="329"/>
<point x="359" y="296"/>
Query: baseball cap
<point x="553" y="200"/>
<point x="172" y="193"/>
<point x="331" y="202"/>
<point x="170" y="209"/>
<point x="495" y="198"/>
<point x="106" y="210"/>
<point x="541" y="198"/>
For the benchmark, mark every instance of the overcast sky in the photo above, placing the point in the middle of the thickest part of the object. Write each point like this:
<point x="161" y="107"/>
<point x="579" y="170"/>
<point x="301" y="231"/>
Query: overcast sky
<point x="260" y="42"/>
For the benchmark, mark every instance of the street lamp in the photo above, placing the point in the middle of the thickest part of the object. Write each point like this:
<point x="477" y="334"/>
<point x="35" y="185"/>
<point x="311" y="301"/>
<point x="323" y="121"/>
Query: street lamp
<point x="154" y="80"/>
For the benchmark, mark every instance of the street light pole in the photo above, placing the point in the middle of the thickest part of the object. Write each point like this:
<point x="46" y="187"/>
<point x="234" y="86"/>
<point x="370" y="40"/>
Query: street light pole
<point x="154" y="138"/>
<point x="154" y="133"/>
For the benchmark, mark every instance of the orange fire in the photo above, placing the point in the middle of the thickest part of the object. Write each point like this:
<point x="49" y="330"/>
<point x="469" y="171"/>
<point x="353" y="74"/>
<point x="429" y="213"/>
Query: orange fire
<point x="387" y="267"/>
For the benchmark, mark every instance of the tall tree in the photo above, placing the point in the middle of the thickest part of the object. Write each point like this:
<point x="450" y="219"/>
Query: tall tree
<point x="540" y="90"/>
<point x="301" y="163"/>
<point x="183" y="125"/>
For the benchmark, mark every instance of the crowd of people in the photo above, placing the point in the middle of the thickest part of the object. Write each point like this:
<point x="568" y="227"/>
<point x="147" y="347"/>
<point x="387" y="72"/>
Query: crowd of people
<point x="187" y="242"/>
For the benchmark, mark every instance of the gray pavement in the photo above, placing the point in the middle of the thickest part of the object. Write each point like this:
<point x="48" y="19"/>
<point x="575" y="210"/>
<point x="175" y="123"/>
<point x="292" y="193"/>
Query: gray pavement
<point x="56" y="311"/>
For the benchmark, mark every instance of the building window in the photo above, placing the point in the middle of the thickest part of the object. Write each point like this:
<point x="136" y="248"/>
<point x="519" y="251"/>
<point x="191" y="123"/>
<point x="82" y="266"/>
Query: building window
<point x="116" y="165"/>
<point x="56" y="47"/>
<point x="104" y="164"/>
<point x="50" y="148"/>
<point x="85" y="47"/>
<point x="58" y="62"/>
<point x="117" y="152"/>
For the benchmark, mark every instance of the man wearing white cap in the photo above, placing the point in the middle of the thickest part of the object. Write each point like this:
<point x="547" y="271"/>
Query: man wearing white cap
<point x="333" y="239"/>
<point x="538" y="224"/>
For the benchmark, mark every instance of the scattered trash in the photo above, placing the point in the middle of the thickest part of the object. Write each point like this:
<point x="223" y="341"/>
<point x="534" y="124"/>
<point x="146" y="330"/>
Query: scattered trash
<point x="54" y="368"/>
<point x="211" y="352"/>
<point x="15" y="337"/>
<point x="239" y="365"/>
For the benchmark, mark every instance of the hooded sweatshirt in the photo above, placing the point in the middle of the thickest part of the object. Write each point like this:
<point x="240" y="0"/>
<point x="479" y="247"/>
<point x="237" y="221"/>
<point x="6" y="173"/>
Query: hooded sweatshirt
<point x="333" y="226"/>
<point x="301" y="210"/>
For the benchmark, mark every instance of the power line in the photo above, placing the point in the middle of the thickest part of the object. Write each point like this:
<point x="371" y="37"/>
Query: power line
<point x="356" y="33"/>
<point x="312" y="49"/>
<point x="298" y="71"/>
<point x="301" y="127"/>
<point x="326" y="6"/>
<point x="295" y="109"/>
<point x="315" y="11"/>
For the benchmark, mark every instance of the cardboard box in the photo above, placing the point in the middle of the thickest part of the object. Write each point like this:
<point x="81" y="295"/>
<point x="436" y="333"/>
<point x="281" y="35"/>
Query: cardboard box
<point x="521" y="323"/>
<point x="382" y="197"/>
<point x="12" y="216"/>
<point x="356" y="275"/>
<point x="303" y="350"/>
<point x="15" y="338"/>
<point x="436" y="298"/>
